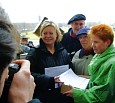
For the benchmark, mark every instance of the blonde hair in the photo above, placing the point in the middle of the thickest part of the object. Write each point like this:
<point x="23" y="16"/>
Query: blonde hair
<point x="50" y="23"/>
<point x="103" y="31"/>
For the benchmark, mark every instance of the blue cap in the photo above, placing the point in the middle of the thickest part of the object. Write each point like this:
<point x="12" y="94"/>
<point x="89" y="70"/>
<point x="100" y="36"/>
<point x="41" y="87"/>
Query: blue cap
<point x="83" y="31"/>
<point x="76" y="18"/>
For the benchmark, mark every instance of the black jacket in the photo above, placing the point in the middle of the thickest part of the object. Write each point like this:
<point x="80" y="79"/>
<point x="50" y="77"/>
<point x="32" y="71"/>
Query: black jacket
<point x="40" y="58"/>
<point x="72" y="45"/>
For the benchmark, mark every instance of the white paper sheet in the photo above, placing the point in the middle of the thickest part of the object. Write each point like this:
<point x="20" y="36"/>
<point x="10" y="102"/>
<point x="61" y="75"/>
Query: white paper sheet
<point x="70" y="78"/>
<point x="56" y="71"/>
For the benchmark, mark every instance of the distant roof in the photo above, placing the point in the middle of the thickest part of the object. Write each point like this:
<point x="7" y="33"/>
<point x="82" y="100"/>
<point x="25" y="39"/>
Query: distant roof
<point x="37" y="28"/>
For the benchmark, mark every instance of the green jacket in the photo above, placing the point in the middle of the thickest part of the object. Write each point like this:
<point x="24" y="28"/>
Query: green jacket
<point x="101" y="87"/>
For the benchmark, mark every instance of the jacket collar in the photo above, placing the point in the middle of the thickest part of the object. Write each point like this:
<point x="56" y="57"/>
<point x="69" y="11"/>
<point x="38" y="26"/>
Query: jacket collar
<point x="82" y="53"/>
<point x="71" y="33"/>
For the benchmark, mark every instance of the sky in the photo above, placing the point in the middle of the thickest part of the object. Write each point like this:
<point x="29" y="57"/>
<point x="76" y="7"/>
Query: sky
<point x="59" y="11"/>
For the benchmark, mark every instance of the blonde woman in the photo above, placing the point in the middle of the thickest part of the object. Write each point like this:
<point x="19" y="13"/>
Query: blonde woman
<point x="49" y="53"/>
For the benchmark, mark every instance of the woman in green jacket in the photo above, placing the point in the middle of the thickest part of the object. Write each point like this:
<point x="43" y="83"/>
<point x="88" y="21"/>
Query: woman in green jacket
<point x="101" y="88"/>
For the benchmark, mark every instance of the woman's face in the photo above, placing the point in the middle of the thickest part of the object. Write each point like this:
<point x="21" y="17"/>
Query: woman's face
<point x="85" y="41"/>
<point x="3" y="78"/>
<point x="49" y="35"/>
<point x="99" y="46"/>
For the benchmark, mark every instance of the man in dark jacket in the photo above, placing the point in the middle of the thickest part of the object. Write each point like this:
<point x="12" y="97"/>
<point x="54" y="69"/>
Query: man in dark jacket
<point x="22" y="85"/>
<point x="16" y="89"/>
<point x="70" y="40"/>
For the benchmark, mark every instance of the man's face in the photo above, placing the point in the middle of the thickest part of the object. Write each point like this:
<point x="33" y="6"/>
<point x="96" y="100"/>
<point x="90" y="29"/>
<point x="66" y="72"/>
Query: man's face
<point x="77" y="25"/>
<point x="24" y="41"/>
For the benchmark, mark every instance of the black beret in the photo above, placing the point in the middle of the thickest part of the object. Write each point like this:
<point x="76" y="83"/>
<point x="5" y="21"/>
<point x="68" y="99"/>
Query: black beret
<point x="77" y="17"/>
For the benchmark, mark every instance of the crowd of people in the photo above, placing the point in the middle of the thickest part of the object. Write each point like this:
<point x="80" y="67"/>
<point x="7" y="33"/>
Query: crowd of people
<point x="89" y="52"/>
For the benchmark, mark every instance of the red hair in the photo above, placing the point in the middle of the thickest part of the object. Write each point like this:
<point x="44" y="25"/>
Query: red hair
<point x="103" y="31"/>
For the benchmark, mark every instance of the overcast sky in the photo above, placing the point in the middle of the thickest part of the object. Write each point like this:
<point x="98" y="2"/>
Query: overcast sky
<point x="59" y="10"/>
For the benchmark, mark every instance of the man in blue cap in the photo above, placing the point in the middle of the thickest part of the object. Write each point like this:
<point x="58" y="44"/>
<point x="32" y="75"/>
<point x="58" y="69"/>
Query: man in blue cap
<point x="70" y="40"/>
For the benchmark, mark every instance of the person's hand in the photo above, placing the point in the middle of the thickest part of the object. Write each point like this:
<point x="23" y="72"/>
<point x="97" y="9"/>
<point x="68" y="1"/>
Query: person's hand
<point x="22" y="87"/>
<point x="57" y="80"/>
<point x="69" y="93"/>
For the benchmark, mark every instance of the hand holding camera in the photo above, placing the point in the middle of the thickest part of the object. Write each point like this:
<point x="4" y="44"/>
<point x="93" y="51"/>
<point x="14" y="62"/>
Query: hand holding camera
<point x="22" y="86"/>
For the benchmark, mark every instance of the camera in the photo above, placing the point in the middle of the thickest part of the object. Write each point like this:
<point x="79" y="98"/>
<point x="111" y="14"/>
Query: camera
<point x="13" y="68"/>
